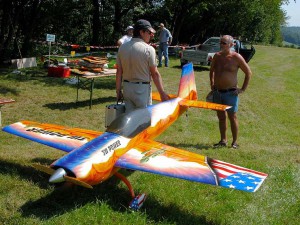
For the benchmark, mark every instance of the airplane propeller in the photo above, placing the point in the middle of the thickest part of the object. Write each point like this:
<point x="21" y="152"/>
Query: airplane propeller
<point x="60" y="175"/>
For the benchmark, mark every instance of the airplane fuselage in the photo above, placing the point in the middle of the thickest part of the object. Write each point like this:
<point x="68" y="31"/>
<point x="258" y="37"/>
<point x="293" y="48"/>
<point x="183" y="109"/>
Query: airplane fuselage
<point x="94" y="161"/>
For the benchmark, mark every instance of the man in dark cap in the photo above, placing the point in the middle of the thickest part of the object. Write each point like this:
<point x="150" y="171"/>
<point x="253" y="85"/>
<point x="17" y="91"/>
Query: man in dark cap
<point x="136" y="67"/>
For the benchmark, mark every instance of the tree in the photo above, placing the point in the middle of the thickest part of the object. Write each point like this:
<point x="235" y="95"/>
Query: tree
<point x="23" y="23"/>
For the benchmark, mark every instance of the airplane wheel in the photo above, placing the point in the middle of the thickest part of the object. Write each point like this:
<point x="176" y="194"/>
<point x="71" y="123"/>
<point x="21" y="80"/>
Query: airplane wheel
<point x="137" y="202"/>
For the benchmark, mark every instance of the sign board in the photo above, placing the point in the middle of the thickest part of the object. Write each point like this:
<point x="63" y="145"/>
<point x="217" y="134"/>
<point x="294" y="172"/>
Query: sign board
<point x="50" y="38"/>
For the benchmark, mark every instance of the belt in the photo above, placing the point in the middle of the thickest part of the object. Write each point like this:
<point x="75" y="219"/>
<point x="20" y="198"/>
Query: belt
<point x="137" y="82"/>
<point x="226" y="90"/>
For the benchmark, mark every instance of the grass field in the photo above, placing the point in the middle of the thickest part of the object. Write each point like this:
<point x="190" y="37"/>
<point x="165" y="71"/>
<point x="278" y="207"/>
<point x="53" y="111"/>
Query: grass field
<point x="269" y="121"/>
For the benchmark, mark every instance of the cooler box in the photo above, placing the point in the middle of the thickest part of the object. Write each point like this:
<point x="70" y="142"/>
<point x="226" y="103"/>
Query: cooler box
<point x="112" y="112"/>
<point x="58" y="71"/>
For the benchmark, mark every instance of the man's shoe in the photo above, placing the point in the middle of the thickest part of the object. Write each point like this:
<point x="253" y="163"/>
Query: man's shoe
<point x="221" y="144"/>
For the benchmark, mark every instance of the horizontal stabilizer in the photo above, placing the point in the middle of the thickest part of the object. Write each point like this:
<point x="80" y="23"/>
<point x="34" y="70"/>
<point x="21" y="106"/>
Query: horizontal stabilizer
<point x="202" y="104"/>
<point x="156" y="96"/>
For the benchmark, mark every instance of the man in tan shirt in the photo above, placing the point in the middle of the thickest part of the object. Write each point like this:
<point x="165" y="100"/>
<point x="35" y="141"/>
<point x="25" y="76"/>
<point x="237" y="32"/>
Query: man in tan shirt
<point x="224" y="83"/>
<point x="136" y="67"/>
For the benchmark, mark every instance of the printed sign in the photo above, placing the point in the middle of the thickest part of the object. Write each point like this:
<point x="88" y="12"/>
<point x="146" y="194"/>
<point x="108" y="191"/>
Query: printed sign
<point x="50" y="38"/>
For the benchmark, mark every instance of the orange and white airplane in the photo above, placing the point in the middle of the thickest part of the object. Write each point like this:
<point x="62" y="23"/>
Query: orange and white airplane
<point x="93" y="157"/>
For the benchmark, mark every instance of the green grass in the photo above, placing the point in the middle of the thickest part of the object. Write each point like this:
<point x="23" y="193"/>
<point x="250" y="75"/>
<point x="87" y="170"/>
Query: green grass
<point x="269" y="121"/>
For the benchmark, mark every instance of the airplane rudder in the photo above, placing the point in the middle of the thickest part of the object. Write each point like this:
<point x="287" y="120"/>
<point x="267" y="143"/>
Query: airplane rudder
<point x="187" y="85"/>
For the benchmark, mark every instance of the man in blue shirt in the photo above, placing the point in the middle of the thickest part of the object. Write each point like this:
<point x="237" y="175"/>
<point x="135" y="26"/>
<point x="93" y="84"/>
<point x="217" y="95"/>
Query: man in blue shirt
<point x="165" y="39"/>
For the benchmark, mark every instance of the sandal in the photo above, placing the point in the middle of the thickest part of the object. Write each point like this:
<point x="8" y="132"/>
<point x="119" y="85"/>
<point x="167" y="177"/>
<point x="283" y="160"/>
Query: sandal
<point x="235" y="145"/>
<point x="220" y="144"/>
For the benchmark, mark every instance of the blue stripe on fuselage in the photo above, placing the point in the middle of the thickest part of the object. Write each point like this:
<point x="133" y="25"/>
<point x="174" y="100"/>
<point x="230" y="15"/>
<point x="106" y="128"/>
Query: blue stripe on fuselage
<point x="84" y="152"/>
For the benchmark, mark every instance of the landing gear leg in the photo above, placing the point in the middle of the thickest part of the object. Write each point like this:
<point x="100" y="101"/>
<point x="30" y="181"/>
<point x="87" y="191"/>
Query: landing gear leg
<point x="137" y="200"/>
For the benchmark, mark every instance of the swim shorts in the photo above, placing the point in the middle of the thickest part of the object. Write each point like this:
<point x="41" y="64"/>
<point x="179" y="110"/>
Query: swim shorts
<point x="227" y="98"/>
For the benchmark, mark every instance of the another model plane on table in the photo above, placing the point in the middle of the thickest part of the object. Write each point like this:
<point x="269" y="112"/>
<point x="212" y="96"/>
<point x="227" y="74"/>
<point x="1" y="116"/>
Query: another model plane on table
<point x="93" y="157"/>
<point x="6" y="101"/>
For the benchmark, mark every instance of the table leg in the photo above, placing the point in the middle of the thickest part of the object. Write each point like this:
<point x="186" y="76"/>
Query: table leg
<point x="91" y="93"/>
<point x="0" y="116"/>
<point x="78" y="86"/>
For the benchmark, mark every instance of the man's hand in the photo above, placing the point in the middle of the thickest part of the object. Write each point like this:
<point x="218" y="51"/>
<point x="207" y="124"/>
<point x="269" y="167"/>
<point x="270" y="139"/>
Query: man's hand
<point x="119" y="96"/>
<point x="164" y="97"/>
<point x="238" y="91"/>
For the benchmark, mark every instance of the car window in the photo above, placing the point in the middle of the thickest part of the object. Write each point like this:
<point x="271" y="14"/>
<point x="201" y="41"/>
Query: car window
<point x="212" y="41"/>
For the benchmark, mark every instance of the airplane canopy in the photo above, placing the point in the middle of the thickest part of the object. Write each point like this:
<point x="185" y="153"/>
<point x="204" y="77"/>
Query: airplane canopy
<point x="130" y="124"/>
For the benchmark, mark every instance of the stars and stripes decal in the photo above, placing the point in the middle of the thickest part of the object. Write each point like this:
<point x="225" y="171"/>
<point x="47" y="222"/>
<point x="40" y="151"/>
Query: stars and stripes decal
<point x="237" y="177"/>
<point x="137" y="202"/>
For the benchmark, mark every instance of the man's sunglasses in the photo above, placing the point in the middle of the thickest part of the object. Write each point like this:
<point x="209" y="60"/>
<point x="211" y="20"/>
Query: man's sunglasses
<point x="149" y="32"/>
<point x="223" y="43"/>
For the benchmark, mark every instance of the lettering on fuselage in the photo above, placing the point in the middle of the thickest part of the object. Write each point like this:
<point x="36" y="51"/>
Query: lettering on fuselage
<point x="111" y="147"/>
<point x="53" y="133"/>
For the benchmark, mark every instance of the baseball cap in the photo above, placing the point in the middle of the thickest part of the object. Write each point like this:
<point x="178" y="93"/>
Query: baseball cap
<point x="144" y="24"/>
<point x="129" y="28"/>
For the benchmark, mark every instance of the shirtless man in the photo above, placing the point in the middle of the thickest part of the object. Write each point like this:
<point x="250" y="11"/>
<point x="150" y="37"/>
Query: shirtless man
<point x="224" y="83"/>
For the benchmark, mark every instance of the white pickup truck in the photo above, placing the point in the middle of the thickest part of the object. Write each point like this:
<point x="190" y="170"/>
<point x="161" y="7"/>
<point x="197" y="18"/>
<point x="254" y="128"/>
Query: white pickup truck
<point x="202" y="54"/>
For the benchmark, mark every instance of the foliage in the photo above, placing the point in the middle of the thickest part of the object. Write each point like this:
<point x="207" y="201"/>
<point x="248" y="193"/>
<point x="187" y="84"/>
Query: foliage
<point x="102" y="22"/>
<point x="269" y="138"/>
<point x="291" y="34"/>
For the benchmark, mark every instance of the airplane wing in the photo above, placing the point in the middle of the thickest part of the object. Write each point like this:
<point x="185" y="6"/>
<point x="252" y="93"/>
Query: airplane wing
<point x="154" y="157"/>
<point x="59" y="137"/>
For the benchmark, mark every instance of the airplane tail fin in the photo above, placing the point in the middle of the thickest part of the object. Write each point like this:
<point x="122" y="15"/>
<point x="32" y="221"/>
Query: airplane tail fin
<point x="187" y="85"/>
<point x="188" y="92"/>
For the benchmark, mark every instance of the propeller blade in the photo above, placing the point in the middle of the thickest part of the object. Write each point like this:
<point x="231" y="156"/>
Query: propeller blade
<point x="45" y="169"/>
<point x="77" y="182"/>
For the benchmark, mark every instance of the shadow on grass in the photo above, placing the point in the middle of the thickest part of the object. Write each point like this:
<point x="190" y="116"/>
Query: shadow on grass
<point x="68" y="199"/>
<point x="73" y="105"/>
<point x="34" y="75"/>
<point x="5" y="90"/>
<point x="185" y="146"/>
<point x="64" y="200"/>
<point x="26" y="172"/>
<point x="105" y="83"/>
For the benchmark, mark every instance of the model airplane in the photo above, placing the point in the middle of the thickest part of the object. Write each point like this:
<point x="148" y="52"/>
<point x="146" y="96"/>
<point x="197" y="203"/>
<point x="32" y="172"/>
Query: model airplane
<point x="5" y="101"/>
<point x="93" y="157"/>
